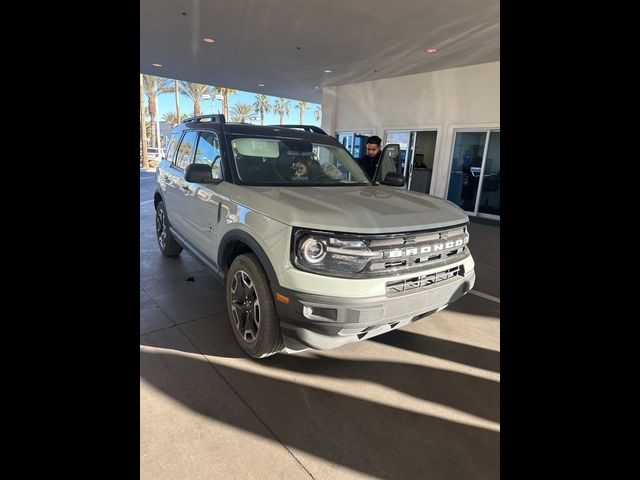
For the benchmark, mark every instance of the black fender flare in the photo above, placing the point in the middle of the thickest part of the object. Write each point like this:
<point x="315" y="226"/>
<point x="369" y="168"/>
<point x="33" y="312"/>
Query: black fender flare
<point x="244" y="237"/>
<point x="158" y="192"/>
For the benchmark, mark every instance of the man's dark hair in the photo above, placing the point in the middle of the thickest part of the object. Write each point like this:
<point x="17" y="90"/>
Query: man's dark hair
<point x="374" y="139"/>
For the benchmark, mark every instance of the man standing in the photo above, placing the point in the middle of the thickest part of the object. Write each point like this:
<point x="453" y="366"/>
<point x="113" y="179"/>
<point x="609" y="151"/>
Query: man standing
<point x="369" y="162"/>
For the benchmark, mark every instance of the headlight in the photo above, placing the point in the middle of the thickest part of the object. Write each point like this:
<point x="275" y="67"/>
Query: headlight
<point x="313" y="250"/>
<point x="331" y="254"/>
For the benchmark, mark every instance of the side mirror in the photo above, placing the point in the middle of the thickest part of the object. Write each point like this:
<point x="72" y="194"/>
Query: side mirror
<point x="199" y="173"/>
<point x="393" y="179"/>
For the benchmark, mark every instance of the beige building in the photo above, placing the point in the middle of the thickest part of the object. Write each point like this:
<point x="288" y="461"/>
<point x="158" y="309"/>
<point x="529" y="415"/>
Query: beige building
<point x="447" y="123"/>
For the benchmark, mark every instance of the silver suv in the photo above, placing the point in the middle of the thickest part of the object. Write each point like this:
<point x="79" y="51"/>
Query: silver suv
<point x="312" y="253"/>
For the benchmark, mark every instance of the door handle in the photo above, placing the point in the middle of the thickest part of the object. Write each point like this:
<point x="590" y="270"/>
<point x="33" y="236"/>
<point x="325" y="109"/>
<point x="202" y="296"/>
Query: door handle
<point x="185" y="188"/>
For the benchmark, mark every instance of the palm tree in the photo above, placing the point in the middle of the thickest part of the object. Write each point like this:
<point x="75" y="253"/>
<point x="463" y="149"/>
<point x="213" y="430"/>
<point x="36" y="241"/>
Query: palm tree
<point x="154" y="86"/>
<point x="195" y="91"/>
<point x="150" y="128"/>
<point x="283" y="107"/>
<point x="172" y="118"/>
<point x="302" y="106"/>
<point x="241" y="111"/>
<point x="318" y="114"/>
<point x="143" y="126"/>
<point x="176" y="89"/>
<point x="262" y="105"/>
<point x="225" y="92"/>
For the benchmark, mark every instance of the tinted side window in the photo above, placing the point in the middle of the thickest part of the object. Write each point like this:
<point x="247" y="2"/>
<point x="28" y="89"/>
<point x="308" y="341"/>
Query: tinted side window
<point x="173" y="145"/>
<point x="184" y="151"/>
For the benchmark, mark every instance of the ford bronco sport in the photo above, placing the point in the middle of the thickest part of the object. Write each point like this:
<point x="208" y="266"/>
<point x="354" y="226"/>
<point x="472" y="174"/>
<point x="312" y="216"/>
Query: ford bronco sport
<point x="312" y="253"/>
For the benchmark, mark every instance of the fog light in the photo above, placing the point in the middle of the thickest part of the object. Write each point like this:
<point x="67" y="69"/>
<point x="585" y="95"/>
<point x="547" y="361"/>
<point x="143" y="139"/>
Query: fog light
<point x="319" y="313"/>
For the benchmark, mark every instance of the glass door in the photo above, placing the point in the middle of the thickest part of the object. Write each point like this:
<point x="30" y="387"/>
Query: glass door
<point x="489" y="202"/>
<point x="474" y="180"/>
<point x="360" y="145"/>
<point x="466" y="164"/>
<point x="355" y="142"/>
<point x="424" y="148"/>
<point x="346" y="139"/>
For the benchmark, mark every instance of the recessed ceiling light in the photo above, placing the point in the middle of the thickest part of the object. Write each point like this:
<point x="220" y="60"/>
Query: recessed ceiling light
<point x="316" y="87"/>
<point x="328" y="71"/>
<point x="431" y="50"/>
<point x="208" y="40"/>
<point x="157" y="64"/>
<point x="261" y="84"/>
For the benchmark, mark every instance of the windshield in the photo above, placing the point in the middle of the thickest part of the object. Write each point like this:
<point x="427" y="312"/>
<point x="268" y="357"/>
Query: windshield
<point x="294" y="162"/>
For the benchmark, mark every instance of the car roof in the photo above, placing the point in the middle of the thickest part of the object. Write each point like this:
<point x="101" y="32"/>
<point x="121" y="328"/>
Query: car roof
<point x="258" y="130"/>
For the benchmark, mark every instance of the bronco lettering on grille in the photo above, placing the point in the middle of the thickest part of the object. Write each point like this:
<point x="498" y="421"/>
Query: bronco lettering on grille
<point x="429" y="248"/>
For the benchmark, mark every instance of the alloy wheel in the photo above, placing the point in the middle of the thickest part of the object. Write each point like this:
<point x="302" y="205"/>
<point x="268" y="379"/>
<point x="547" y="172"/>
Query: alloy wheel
<point x="245" y="306"/>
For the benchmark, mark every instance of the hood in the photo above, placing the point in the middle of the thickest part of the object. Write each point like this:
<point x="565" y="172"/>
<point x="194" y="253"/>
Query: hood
<point x="368" y="209"/>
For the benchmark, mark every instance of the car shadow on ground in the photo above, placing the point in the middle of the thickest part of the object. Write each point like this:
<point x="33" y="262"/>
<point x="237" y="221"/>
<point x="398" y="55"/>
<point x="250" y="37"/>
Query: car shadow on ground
<point x="387" y="442"/>
<point x="468" y="393"/>
<point x="470" y="355"/>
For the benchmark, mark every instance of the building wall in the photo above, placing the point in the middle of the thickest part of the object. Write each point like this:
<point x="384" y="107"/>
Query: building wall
<point x="465" y="97"/>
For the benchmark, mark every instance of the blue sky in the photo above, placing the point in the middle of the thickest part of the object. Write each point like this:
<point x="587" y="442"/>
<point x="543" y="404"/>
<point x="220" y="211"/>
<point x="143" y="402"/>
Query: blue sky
<point x="167" y="103"/>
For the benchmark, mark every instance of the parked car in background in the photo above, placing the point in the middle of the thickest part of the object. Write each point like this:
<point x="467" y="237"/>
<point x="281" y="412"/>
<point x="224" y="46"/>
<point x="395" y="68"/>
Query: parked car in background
<point x="153" y="153"/>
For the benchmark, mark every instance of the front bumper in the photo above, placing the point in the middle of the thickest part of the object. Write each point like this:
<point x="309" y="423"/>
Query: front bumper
<point x="321" y="322"/>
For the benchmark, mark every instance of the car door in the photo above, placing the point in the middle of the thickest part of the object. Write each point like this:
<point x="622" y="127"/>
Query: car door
<point x="205" y="207"/>
<point x="390" y="162"/>
<point x="177" y="189"/>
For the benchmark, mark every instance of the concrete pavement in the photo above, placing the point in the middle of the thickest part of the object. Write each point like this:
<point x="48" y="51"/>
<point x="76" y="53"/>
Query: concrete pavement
<point x="419" y="402"/>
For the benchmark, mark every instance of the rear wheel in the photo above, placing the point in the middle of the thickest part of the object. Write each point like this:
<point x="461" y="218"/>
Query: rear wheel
<point x="169" y="246"/>
<point x="250" y="307"/>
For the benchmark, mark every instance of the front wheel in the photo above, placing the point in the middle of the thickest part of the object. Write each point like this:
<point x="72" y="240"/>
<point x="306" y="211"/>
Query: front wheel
<point x="250" y="307"/>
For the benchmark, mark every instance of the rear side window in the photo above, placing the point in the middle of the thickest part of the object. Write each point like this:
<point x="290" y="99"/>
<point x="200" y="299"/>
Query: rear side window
<point x="183" y="158"/>
<point x="173" y="144"/>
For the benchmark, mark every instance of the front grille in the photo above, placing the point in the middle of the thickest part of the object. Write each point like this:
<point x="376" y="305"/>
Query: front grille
<point x="417" y="251"/>
<point x="422" y="281"/>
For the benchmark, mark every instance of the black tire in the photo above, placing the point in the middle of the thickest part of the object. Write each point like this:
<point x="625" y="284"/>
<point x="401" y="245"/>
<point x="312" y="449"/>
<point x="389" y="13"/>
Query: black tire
<point x="169" y="246"/>
<point x="250" y="307"/>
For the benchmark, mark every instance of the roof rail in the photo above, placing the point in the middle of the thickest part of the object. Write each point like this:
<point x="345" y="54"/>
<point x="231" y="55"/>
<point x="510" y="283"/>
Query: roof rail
<point x="306" y="128"/>
<point x="217" y="118"/>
